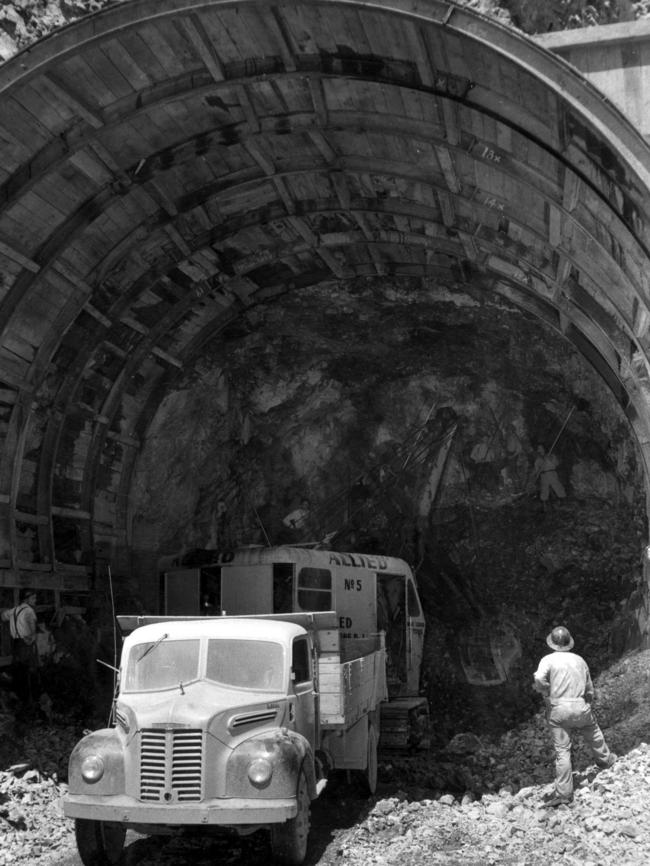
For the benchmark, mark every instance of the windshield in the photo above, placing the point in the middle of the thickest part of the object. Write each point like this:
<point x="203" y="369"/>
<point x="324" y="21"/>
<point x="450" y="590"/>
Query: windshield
<point x="161" y="664"/>
<point x="242" y="664"/>
<point x="246" y="664"/>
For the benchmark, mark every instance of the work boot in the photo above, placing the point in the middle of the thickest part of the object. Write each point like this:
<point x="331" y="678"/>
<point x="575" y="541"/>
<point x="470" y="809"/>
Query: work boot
<point x="557" y="800"/>
<point x="611" y="760"/>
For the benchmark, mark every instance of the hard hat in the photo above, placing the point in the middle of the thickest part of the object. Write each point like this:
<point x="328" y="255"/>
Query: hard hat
<point x="560" y="639"/>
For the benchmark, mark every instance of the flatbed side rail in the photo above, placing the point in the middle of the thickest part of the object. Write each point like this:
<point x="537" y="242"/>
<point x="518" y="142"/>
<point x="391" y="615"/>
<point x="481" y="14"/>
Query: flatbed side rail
<point x="351" y="689"/>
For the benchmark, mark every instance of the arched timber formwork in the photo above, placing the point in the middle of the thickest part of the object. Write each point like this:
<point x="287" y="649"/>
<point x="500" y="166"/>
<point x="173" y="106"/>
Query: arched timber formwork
<point x="165" y="164"/>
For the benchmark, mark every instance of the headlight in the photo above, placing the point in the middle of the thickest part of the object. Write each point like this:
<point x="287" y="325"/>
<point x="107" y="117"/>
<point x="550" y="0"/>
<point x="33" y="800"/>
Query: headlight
<point x="260" y="772"/>
<point x="92" y="769"/>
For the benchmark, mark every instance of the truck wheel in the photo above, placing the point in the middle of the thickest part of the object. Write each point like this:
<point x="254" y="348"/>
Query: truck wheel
<point x="289" y="840"/>
<point x="99" y="843"/>
<point x="368" y="777"/>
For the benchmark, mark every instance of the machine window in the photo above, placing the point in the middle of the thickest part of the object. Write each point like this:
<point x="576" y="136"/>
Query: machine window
<point x="314" y="589"/>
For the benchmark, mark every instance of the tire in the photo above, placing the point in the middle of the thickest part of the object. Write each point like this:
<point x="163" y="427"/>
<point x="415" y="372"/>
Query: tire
<point x="99" y="843"/>
<point x="289" y="840"/>
<point x="367" y="778"/>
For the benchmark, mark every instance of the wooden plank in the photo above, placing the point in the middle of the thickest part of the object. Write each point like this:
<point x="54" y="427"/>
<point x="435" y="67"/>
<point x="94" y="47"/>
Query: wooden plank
<point x="18" y="257"/>
<point x="14" y="152"/>
<point x="145" y="130"/>
<point x="273" y="24"/>
<point x="319" y="100"/>
<point x="97" y="315"/>
<point x="166" y="356"/>
<point x="88" y="164"/>
<point x="49" y="298"/>
<point x="184" y="113"/>
<point x="105" y="155"/>
<point x="176" y="120"/>
<point x="17" y="346"/>
<point x="39" y="99"/>
<point x="77" y="70"/>
<point x="385" y="35"/>
<point x="322" y="145"/>
<point x="151" y="35"/>
<point x="73" y="100"/>
<point x="284" y="195"/>
<point x="219" y="37"/>
<point x="24" y="127"/>
<point x="267" y="100"/>
<point x="31" y="219"/>
<point x="571" y="190"/>
<point x="107" y="69"/>
<point x="158" y="193"/>
<point x="247" y="108"/>
<point x="178" y="239"/>
<point x="417" y="50"/>
<point x="62" y="190"/>
<point x="250" y="32"/>
<point x="259" y="157"/>
<point x="122" y="67"/>
<point x="142" y="44"/>
<point x="67" y="273"/>
<point x="321" y="22"/>
<point x="204" y="46"/>
<point x="450" y="113"/>
<point x="295" y="93"/>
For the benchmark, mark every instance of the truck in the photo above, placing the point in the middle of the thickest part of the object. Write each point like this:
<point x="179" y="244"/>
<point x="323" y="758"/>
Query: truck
<point x="370" y="593"/>
<point x="227" y="722"/>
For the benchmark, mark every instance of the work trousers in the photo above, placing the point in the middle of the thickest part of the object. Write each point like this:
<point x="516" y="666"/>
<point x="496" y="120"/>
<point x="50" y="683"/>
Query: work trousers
<point x="24" y="673"/>
<point x="565" y="717"/>
<point x="549" y="480"/>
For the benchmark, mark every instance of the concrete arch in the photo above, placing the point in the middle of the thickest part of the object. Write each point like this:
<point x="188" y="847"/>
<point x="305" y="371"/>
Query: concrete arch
<point x="168" y="164"/>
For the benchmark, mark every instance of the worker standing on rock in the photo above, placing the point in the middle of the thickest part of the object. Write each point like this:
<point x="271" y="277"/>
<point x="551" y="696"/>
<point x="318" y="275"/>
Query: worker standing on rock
<point x="563" y="678"/>
<point x="545" y="467"/>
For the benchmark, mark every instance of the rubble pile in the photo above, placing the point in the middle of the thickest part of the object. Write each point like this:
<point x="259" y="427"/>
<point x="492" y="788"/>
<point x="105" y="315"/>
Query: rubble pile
<point x="32" y="782"/>
<point x="607" y="823"/>
<point x="478" y="800"/>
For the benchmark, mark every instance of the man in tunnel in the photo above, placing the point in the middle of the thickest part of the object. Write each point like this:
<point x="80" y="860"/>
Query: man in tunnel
<point x="22" y="621"/>
<point x="546" y="466"/>
<point x="563" y="678"/>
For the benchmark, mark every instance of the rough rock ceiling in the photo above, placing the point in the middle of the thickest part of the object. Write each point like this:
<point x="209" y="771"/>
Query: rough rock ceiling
<point x="166" y="165"/>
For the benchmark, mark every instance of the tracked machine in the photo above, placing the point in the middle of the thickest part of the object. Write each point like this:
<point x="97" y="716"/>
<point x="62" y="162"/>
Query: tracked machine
<point x="370" y="595"/>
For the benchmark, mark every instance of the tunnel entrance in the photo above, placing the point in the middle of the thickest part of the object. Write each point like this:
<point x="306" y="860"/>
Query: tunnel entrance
<point x="333" y="267"/>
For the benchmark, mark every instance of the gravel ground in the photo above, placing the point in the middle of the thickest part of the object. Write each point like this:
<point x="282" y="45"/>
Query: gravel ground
<point x="479" y="801"/>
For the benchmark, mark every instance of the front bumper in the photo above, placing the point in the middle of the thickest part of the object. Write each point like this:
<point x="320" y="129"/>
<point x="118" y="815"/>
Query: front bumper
<point x="225" y="813"/>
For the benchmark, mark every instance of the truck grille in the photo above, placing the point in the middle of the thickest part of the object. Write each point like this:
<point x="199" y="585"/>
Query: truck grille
<point x="170" y="764"/>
